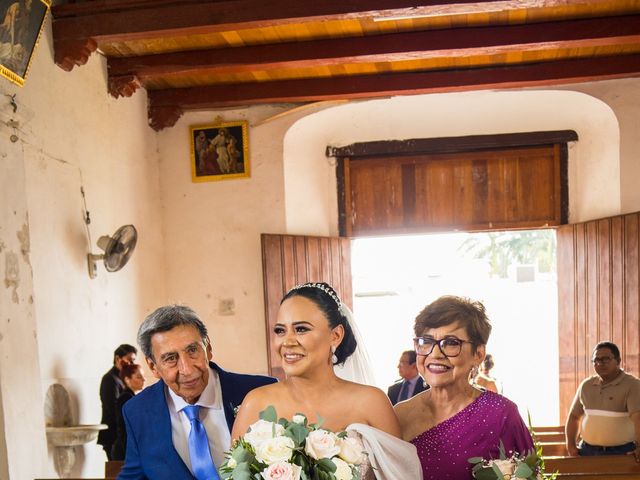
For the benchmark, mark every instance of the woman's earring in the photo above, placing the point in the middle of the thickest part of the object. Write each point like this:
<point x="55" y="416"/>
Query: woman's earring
<point x="334" y="357"/>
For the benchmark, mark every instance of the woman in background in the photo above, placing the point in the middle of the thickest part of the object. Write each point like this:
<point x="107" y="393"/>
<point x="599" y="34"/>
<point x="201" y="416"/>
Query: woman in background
<point x="453" y="420"/>
<point x="484" y="378"/>
<point x="133" y="380"/>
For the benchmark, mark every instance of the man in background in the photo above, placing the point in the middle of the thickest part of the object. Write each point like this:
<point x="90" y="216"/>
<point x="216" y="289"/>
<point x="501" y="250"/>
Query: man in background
<point x="410" y="383"/>
<point x="111" y="387"/>
<point x="609" y="405"/>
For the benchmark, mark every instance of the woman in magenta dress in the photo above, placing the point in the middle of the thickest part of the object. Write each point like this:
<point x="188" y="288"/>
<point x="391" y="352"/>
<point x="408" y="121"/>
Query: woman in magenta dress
<point x="453" y="421"/>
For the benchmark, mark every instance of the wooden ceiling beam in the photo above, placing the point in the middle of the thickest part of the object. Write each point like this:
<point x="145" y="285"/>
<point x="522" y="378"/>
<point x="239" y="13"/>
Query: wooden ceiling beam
<point x="122" y="18"/>
<point x="459" y="42"/>
<point x="177" y="101"/>
<point x="80" y="24"/>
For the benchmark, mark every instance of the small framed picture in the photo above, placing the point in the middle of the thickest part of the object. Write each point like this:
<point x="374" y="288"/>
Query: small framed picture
<point x="220" y="151"/>
<point x="22" y="22"/>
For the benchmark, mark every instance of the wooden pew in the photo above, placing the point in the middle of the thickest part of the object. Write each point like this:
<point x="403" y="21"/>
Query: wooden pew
<point x="550" y="436"/>
<point x="602" y="464"/>
<point x="553" y="449"/>
<point x="112" y="468"/>
<point x="549" y="428"/>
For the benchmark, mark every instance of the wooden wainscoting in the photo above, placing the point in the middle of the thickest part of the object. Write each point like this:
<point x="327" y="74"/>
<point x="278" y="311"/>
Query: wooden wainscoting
<point x="598" y="296"/>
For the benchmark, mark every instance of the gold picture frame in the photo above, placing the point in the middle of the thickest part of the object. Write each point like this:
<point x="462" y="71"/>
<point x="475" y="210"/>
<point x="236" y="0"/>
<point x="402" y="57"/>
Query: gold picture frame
<point x="219" y="151"/>
<point x="20" y="29"/>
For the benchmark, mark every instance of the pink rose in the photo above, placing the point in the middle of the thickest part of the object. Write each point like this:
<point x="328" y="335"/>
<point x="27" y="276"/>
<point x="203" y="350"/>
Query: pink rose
<point x="322" y="444"/>
<point x="282" y="471"/>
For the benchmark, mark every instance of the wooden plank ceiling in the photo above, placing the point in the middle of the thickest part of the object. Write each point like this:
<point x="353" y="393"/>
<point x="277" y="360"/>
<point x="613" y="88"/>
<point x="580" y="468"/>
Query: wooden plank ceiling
<point x="206" y="54"/>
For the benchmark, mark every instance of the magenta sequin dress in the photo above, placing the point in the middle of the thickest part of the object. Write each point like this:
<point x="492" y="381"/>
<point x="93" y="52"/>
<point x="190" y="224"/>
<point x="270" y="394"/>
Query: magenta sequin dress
<point x="475" y="431"/>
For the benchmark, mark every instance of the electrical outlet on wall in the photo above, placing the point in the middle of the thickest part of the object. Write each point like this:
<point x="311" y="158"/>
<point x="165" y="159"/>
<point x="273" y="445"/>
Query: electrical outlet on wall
<point x="227" y="306"/>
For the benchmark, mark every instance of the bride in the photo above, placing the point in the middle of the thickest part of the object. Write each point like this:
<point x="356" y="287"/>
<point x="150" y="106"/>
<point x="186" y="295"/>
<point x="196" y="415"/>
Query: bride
<point x="312" y="334"/>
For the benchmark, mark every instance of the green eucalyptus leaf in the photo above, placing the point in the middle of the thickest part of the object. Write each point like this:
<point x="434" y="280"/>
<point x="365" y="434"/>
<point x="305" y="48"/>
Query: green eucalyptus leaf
<point x="242" y="454"/>
<point x="242" y="472"/>
<point x="269" y="414"/>
<point x="475" y="460"/>
<point x="296" y="432"/>
<point x="326" y="465"/>
<point x="523" y="471"/>
<point x="503" y="455"/>
<point x="318" y="424"/>
<point x="486" y="474"/>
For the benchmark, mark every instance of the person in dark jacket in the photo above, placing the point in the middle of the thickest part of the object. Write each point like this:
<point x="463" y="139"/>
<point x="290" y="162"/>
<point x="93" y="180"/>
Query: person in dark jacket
<point x="131" y="376"/>
<point x="111" y="387"/>
<point x="410" y="383"/>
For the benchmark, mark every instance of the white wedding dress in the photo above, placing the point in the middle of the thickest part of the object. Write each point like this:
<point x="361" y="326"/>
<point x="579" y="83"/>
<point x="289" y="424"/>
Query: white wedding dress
<point x="388" y="457"/>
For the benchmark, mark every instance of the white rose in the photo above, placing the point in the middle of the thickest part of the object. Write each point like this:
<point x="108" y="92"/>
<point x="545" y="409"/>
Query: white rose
<point x="506" y="467"/>
<point x="274" y="450"/>
<point x="231" y="463"/>
<point x="343" y="470"/>
<point x="282" y="471"/>
<point x="299" y="419"/>
<point x="351" y="450"/>
<point x="261" y="431"/>
<point x="322" y="444"/>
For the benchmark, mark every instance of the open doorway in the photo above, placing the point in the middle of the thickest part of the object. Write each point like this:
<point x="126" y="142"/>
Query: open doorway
<point x="513" y="273"/>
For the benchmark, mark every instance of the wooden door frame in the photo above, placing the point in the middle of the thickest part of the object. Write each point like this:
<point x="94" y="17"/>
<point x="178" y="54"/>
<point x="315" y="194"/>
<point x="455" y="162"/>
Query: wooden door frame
<point x="448" y="145"/>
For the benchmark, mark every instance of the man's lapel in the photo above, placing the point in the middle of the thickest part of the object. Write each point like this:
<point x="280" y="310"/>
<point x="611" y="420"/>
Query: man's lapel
<point x="229" y="395"/>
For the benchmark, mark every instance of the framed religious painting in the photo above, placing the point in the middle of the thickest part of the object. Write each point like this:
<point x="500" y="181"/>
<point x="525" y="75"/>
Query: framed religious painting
<point x="22" y="22"/>
<point x="219" y="151"/>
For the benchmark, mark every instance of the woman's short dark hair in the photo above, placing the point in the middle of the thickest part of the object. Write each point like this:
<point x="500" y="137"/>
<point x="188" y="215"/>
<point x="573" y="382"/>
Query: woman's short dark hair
<point x="129" y="370"/>
<point x="488" y="362"/>
<point x="449" y="309"/>
<point x="611" y="346"/>
<point x="327" y="300"/>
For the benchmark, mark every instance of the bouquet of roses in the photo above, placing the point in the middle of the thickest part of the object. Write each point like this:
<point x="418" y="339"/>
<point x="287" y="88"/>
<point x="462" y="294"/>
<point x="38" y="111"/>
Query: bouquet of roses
<point x="275" y="449"/>
<point x="515" y="467"/>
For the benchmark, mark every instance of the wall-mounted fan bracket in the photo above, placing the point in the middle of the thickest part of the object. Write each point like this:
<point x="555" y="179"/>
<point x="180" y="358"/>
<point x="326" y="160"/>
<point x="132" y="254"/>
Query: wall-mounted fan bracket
<point x="92" y="263"/>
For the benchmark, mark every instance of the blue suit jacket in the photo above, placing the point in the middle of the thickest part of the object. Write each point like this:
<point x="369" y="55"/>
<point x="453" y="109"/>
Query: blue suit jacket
<point x="150" y="451"/>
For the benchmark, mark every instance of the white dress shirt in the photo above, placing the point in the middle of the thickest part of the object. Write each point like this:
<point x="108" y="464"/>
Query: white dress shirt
<point x="211" y="416"/>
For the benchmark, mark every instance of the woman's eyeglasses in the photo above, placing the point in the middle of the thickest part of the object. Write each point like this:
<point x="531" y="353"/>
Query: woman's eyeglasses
<point x="449" y="346"/>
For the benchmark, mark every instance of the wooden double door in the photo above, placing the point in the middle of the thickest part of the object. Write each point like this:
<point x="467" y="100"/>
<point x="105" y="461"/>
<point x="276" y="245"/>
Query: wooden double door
<point x="598" y="290"/>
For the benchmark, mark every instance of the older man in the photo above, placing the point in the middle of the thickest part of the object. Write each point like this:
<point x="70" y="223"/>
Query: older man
<point x="609" y="405"/>
<point x="410" y="383"/>
<point x="179" y="428"/>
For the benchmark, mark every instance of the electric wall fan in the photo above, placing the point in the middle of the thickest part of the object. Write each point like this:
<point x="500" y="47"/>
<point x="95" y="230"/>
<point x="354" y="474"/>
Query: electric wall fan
<point x="117" y="250"/>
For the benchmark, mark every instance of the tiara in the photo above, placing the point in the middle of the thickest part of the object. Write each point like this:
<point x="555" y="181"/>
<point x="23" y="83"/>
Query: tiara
<point x="322" y="287"/>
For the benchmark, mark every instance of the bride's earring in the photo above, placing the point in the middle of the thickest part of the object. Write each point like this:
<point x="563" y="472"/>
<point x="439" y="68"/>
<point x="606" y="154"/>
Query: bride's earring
<point x="334" y="357"/>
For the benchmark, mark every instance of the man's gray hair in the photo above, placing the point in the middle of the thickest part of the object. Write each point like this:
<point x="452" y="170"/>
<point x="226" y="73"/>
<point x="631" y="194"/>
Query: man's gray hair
<point x="165" y="319"/>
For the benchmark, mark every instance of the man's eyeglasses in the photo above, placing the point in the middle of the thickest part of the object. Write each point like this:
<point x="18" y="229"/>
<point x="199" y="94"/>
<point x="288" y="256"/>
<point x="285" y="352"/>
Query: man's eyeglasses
<point x="449" y="346"/>
<point x="601" y="360"/>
